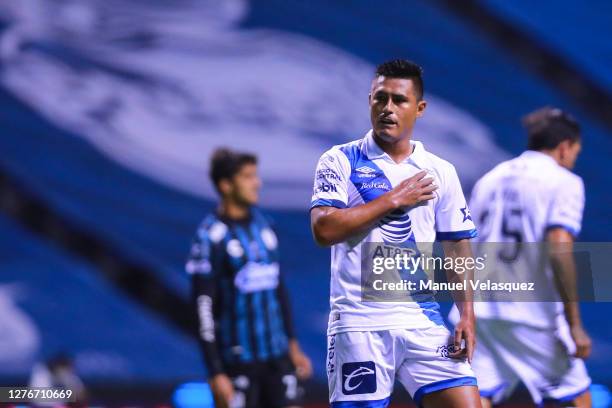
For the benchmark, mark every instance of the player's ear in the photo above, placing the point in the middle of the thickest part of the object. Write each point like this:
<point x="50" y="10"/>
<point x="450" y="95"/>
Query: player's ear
<point x="421" y="105"/>
<point x="225" y="187"/>
<point x="563" y="148"/>
<point x="563" y="153"/>
<point x="370" y="98"/>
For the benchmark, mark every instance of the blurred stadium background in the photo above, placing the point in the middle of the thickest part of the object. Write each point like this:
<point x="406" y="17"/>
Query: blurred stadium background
<point x="110" y="109"/>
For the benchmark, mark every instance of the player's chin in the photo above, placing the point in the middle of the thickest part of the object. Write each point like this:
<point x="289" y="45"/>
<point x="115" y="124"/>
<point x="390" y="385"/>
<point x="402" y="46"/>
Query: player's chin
<point x="388" y="133"/>
<point x="248" y="199"/>
<point x="253" y="199"/>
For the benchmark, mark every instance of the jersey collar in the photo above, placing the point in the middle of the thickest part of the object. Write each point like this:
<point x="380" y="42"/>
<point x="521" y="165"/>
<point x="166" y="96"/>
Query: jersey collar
<point x="373" y="151"/>
<point x="536" y="155"/>
<point x="233" y="221"/>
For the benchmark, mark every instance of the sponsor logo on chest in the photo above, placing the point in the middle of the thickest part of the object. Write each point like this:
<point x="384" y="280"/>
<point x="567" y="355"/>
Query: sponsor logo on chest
<point x="365" y="172"/>
<point x="380" y="185"/>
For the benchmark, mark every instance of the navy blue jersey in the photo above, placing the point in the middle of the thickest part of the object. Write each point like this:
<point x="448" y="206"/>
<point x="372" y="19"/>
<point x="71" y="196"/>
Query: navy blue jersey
<point x="238" y="292"/>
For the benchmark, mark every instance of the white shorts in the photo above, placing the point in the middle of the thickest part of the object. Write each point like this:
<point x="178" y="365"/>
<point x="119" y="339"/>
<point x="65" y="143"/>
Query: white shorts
<point x="362" y="366"/>
<point x="509" y="352"/>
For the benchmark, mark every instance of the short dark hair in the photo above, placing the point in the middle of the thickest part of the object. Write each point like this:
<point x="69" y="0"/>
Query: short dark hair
<point x="547" y="127"/>
<point x="225" y="164"/>
<point x="401" y="68"/>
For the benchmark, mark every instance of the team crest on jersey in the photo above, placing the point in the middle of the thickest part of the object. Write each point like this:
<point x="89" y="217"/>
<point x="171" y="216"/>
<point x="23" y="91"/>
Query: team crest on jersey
<point x="269" y="239"/>
<point x="358" y="378"/>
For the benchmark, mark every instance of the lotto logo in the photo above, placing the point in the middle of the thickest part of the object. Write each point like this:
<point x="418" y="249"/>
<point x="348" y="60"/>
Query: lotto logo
<point x="358" y="378"/>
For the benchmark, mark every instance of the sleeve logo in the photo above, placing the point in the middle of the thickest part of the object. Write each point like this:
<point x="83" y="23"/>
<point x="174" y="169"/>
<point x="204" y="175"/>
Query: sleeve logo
<point x="465" y="211"/>
<point x="326" y="188"/>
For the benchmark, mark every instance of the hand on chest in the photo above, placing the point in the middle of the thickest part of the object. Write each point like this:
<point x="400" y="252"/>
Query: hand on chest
<point x="376" y="178"/>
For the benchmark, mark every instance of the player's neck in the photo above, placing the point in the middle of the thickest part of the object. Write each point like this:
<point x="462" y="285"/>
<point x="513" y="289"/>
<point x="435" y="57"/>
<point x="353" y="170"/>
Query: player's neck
<point x="234" y="211"/>
<point x="399" y="150"/>
<point x="554" y="154"/>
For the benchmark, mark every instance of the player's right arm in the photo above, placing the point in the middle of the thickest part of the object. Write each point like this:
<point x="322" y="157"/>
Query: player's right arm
<point x="204" y="295"/>
<point x="564" y="221"/>
<point x="564" y="268"/>
<point x="330" y="219"/>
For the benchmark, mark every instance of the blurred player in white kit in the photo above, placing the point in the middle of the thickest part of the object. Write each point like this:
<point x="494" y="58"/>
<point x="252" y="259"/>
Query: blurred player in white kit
<point x="534" y="198"/>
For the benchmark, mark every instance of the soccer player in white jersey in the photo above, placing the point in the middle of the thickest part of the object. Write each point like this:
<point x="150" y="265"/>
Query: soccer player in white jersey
<point x="534" y="198"/>
<point x="385" y="187"/>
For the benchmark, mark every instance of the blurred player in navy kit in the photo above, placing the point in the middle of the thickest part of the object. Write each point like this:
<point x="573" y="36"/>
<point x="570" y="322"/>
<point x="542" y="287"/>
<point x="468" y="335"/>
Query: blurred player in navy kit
<point x="245" y="328"/>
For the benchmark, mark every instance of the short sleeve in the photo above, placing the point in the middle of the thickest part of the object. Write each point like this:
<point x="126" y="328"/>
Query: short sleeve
<point x="567" y="206"/>
<point x="198" y="261"/>
<point x="331" y="180"/>
<point x="453" y="218"/>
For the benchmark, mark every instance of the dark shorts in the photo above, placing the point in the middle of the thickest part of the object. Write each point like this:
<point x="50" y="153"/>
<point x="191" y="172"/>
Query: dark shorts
<point x="270" y="384"/>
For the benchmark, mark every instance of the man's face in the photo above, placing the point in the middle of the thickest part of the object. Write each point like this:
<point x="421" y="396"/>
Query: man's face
<point x="244" y="187"/>
<point x="394" y="107"/>
<point x="569" y="153"/>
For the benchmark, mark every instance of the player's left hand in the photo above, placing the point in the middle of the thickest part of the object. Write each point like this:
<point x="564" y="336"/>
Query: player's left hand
<point x="303" y="366"/>
<point x="582" y="340"/>
<point x="464" y="330"/>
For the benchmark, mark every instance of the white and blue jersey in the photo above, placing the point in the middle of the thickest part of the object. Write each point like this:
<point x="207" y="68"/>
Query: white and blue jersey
<point x="358" y="172"/>
<point x="515" y="203"/>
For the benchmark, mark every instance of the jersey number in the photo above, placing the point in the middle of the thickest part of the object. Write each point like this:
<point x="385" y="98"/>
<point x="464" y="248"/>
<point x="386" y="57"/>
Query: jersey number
<point x="511" y="229"/>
